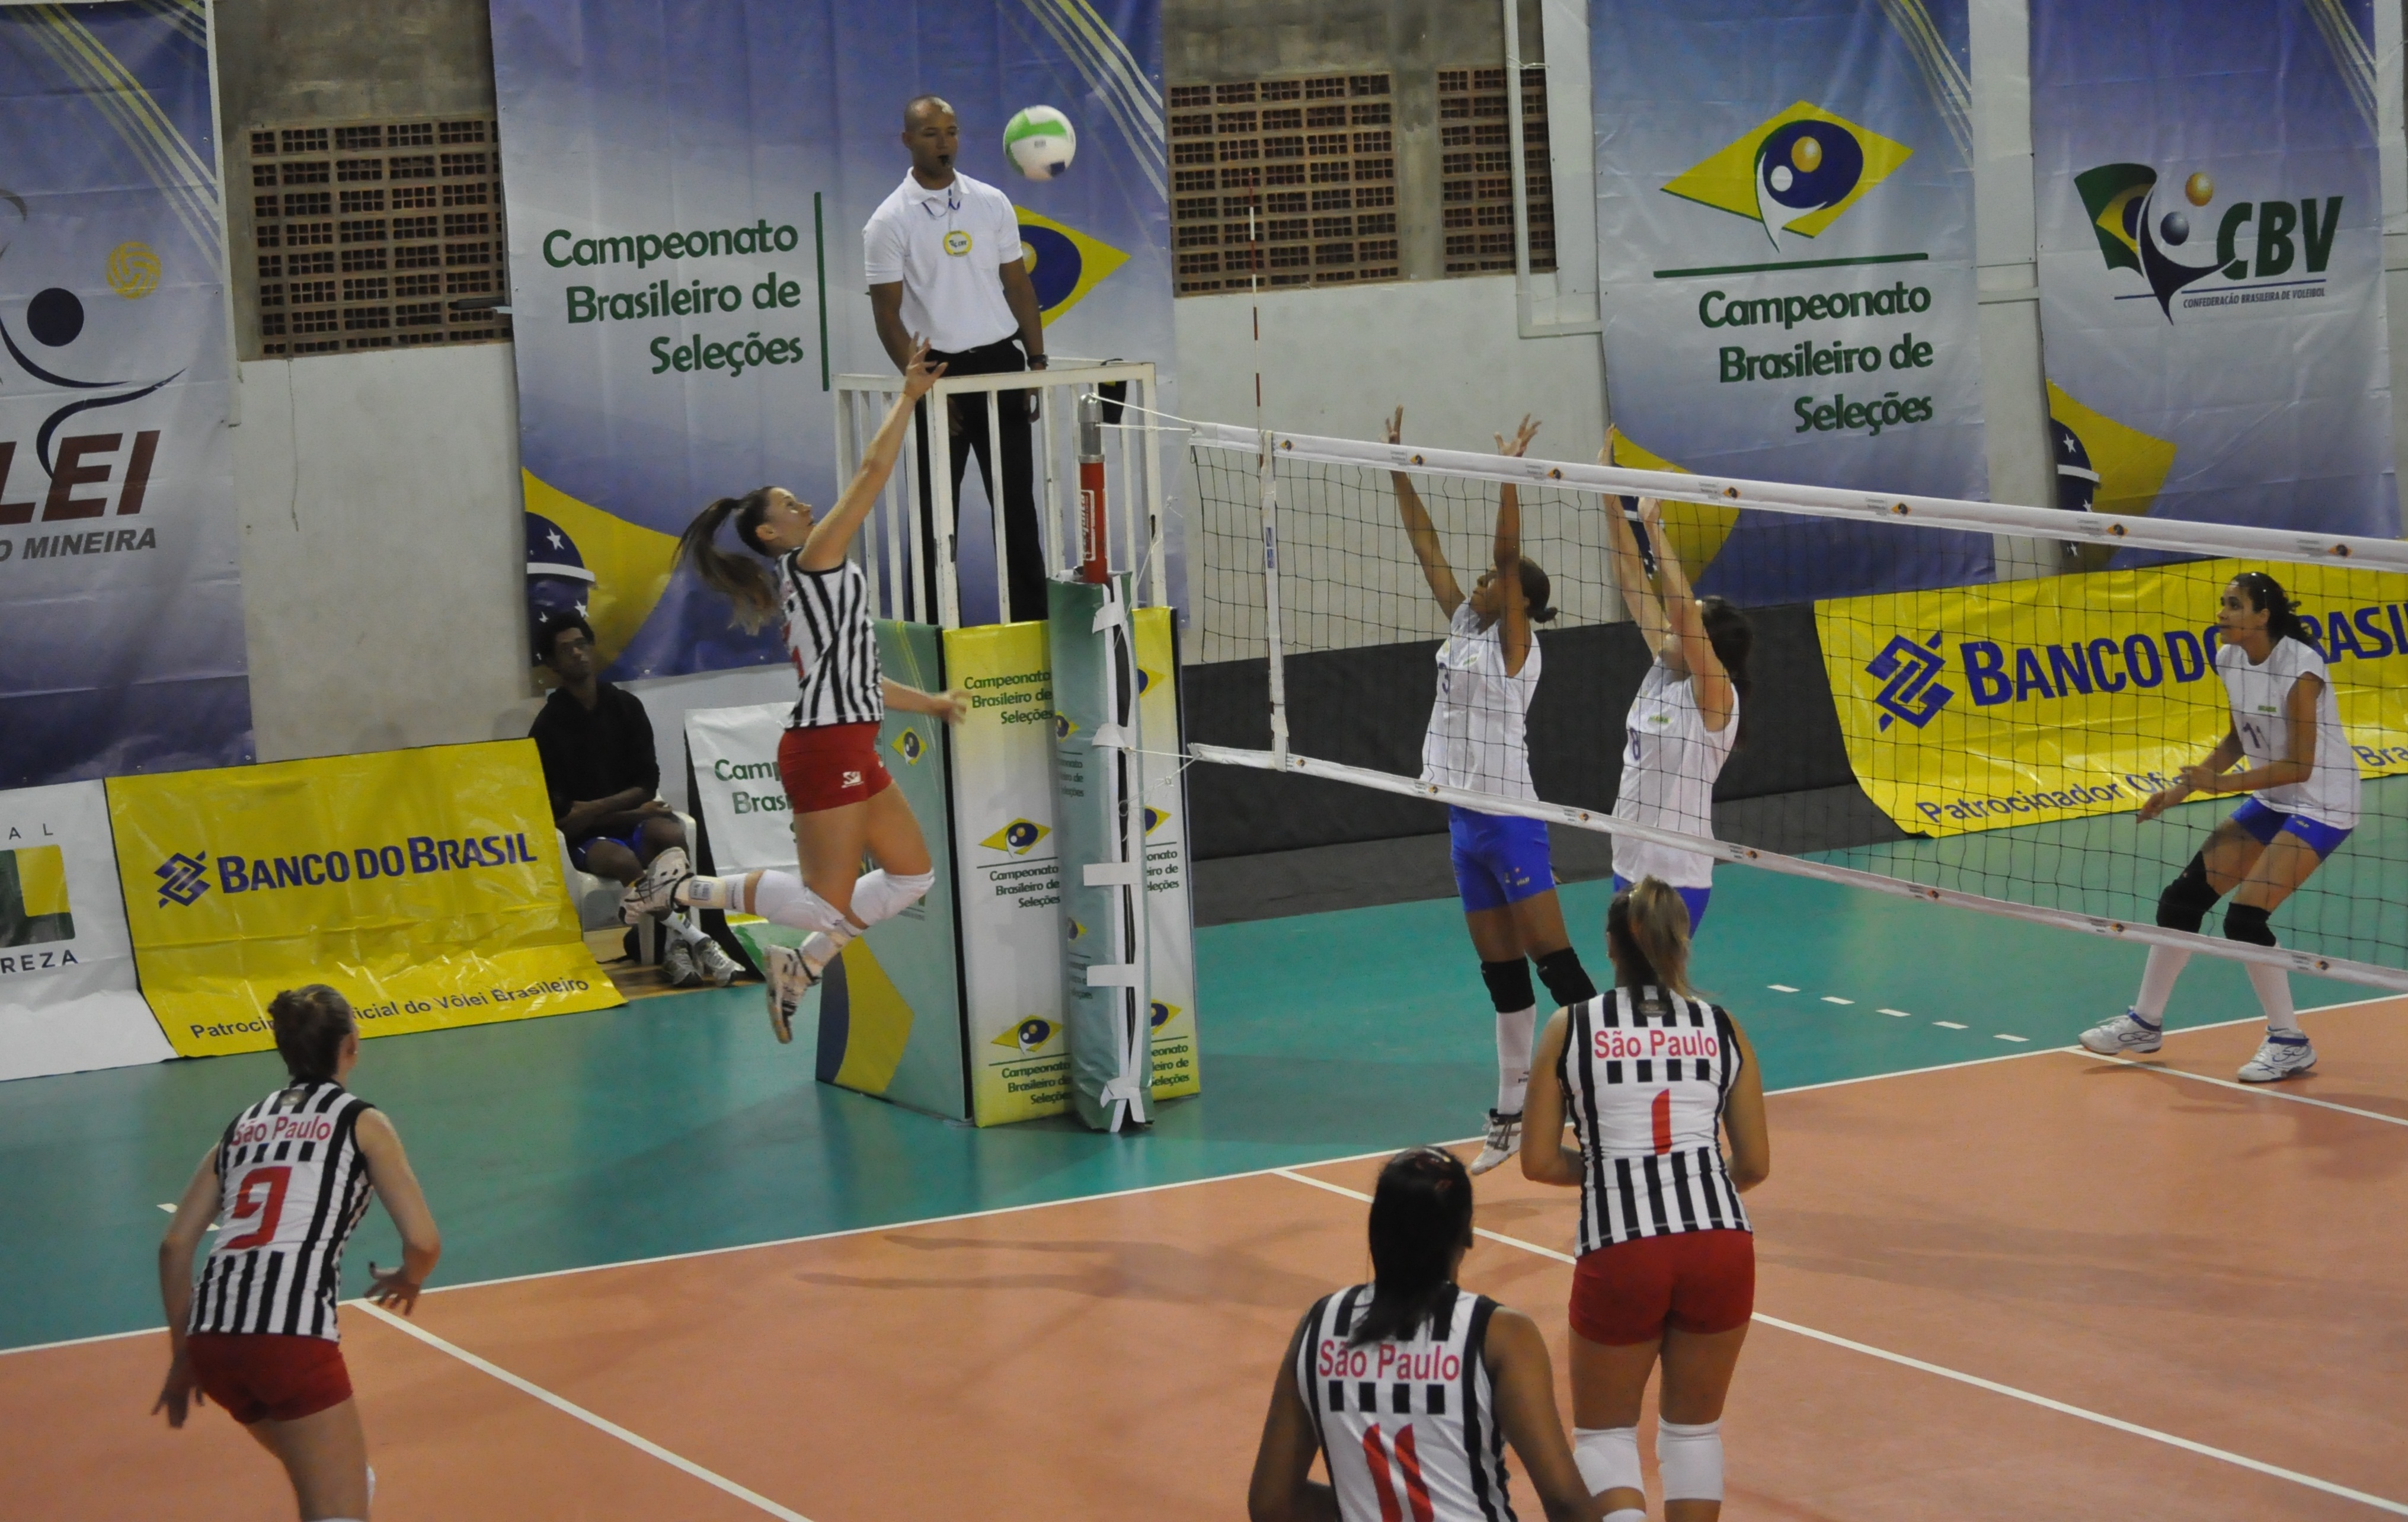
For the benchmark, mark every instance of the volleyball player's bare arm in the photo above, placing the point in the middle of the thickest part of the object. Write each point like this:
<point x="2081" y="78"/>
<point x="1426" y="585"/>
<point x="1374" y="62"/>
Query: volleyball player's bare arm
<point x="1282" y="1489"/>
<point x="1421" y="533"/>
<point x="1686" y="650"/>
<point x="1750" y="1156"/>
<point x="1524" y="1380"/>
<point x="832" y="535"/>
<point x="397" y="1186"/>
<point x="952" y="705"/>
<point x="194" y="1210"/>
<point x="1505" y="556"/>
<point x="1630" y="579"/>
<point x="2227" y="752"/>
<point x="1545" y="1159"/>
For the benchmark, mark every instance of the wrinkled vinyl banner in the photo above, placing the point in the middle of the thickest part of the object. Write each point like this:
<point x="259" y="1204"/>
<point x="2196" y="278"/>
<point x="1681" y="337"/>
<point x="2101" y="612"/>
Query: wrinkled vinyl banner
<point x="119" y="575"/>
<point x="2211" y="262"/>
<point x="688" y="184"/>
<point x="1784" y="203"/>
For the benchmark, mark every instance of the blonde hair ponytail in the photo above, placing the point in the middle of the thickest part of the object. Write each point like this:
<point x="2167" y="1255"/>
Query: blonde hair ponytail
<point x="743" y="582"/>
<point x="1648" y="929"/>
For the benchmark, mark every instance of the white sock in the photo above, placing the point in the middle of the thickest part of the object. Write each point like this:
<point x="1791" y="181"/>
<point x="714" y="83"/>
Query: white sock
<point x="683" y="927"/>
<point x="782" y="898"/>
<point x="720" y="893"/>
<point x="371" y="1481"/>
<point x="822" y="949"/>
<point x="1515" y="1029"/>
<point x="881" y="895"/>
<point x="2157" y="983"/>
<point x="2273" y="987"/>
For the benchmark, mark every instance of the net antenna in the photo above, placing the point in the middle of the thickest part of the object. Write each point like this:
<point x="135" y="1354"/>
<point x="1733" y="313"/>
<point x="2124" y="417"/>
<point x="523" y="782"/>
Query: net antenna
<point x="2033" y="836"/>
<point x="1268" y="476"/>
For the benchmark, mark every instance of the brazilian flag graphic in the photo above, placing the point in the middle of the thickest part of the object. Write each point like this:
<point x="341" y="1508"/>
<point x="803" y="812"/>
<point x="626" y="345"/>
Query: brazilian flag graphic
<point x="34" y="896"/>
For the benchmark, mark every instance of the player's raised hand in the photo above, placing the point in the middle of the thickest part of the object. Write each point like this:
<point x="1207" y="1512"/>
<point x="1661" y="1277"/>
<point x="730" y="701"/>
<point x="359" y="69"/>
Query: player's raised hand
<point x="920" y="375"/>
<point x="1521" y="439"/>
<point x="1395" y="425"/>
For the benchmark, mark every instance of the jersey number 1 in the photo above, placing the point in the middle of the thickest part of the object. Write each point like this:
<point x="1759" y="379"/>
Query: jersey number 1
<point x="1408" y="1460"/>
<point x="269" y="1212"/>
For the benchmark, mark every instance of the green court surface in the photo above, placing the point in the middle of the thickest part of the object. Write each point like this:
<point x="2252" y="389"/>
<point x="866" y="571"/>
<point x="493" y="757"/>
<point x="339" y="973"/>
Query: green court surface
<point x="677" y="1124"/>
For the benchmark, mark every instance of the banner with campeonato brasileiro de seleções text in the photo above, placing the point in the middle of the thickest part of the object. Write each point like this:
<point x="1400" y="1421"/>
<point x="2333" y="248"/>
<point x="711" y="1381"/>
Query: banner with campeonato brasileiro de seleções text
<point x="2209" y="197"/>
<point x="1784" y="201"/>
<point x="423" y="886"/>
<point x="688" y="185"/>
<point x="2062" y="696"/>
<point x="120" y="584"/>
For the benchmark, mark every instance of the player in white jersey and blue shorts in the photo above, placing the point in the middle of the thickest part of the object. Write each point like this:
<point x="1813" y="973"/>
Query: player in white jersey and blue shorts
<point x="1487" y="674"/>
<point x="2302" y="778"/>
<point x="1651" y="1079"/>
<point x="286" y="1186"/>
<point x="843" y="803"/>
<point x="1685" y="719"/>
<point x="1409" y="1387"/>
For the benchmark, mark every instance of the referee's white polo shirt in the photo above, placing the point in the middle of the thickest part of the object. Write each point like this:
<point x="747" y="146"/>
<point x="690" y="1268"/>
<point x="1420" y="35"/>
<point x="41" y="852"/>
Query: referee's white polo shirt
<point x="946" y="246"/>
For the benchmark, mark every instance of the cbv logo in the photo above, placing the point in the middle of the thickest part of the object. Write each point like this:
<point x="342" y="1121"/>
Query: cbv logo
<point x="1908" y="691"/>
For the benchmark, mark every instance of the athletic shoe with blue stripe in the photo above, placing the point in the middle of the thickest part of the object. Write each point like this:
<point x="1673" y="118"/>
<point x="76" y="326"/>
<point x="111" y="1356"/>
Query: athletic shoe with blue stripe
<point x="2278" y="1058"/>
<point x="2125" y="1036"/>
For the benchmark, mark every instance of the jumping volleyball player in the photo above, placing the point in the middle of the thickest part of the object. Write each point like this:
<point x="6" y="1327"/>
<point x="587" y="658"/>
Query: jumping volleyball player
<point x="844" y="803"/>
<point x="1411" y="1387"/>
<point x="1488" y="672"/>
<point x="288" y="1182"/>
<point x="1686" y="721"/>
<point x="1647" y="1074"/>
<point x="2302" y="782"/>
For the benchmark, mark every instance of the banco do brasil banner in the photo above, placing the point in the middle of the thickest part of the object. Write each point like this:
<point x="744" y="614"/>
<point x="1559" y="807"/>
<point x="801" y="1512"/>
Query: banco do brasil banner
<point x="2066" y="696"/>
<point x="118" y="554"/>
<point x="424" y="885"/>
<point x="2211" y="262"/>
<point x="1786" y="237"/>
<point x="688" y="184"/>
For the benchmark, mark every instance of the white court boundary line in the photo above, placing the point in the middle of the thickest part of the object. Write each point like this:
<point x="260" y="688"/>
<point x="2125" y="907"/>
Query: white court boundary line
<point x="599" y="1423"/>
<point x="1220" y="1178"/>
<point x="1993" y="1387"/>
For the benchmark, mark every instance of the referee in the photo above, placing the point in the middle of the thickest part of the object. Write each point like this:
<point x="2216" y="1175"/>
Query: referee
<point x="943" y="259"/>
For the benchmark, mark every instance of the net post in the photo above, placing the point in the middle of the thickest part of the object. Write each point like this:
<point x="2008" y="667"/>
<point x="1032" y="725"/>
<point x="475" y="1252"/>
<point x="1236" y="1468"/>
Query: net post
<point x="1049" y="517"/>
<point x="1095" y="549"/>
<point x="995" y="495"/>
<point x="1157" y="578"/>
<point x="1271" y="603"/>
<point x="940" y="497"/>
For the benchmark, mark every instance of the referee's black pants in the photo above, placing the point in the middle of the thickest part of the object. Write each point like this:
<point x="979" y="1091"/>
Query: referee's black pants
<point x="1025" y="551"/>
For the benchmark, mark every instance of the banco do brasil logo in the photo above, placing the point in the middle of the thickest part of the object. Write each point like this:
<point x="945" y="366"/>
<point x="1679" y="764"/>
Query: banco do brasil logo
<point x="1796" y="172"/>
<point x="1908" y="691"/>
<point x="2147" y="226"/>
<point x="182" y="879"/>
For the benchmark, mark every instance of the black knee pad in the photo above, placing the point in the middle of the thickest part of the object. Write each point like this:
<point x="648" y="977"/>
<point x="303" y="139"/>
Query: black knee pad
<point x="2187" y="899"/>
<point x="1566" y="981"/>
<point x="1509" y="984"/>
<point x="2247" y="921"/>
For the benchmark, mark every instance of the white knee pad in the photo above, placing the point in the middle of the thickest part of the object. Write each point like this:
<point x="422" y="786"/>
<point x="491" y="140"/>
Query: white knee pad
<point x="881" y="895"/>
<point x="1691" y="1459"/>
<point x="1608" y="1457"/>
<point x="781" y="898"/>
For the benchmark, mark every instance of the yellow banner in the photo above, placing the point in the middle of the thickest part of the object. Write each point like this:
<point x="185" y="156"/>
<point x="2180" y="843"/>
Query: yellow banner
<point x="424" y="884"/>
<point x="1978" y="707"/>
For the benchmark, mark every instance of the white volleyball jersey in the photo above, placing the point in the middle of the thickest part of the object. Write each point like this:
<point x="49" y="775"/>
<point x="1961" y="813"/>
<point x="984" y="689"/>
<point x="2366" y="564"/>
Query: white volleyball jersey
<point x="1645" y="1075"/>
<point x="2259" y="694"/>
<point x="1408" y="1428"/>
<point x="292" y="1186"/>
<point x="1669" y="761"/>
<point x="834" y="649"/>
<point x="1475" y="737"/>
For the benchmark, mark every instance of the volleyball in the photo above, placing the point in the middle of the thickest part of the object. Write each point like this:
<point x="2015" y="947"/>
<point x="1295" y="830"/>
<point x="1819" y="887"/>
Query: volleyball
<point x="1041" y="142"/>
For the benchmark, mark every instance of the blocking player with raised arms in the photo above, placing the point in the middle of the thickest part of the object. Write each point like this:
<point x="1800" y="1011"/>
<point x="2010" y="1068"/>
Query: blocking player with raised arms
<point x="1684" y="722"/>
<point x="1487" y="674"/>
<point x="2302" y="782"/>
<point x="1647" y="1075"/>
<point x="845" y="805"/>
<point x="288" y="1182"/>
<point x="1410" y="1387"/>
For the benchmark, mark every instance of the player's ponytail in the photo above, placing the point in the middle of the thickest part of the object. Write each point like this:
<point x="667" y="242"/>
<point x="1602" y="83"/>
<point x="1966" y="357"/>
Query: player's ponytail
<point x="1647" y="934"/>
<point x="741" y="582"/>
<point x="1734" y="640"/>
<point x="1421" y="1215"/>
<point x="1536" y="591"/>
<point x="2267" y="596"/>
<point x="311" y="1024"/>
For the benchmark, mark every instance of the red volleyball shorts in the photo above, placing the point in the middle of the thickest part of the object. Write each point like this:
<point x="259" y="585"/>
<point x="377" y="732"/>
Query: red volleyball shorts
<point x="830" y="766"/>
<point x="268" y="1375"/>
<point x="1698" y="1282"/>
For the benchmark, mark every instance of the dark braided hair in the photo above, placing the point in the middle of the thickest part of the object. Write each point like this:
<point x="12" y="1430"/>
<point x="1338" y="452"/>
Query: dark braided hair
<point x="1421" y="1213"/>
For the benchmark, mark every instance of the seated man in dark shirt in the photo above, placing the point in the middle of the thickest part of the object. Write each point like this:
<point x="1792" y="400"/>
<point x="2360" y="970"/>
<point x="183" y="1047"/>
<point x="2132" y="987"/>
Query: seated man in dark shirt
<point x="605" y="777"/>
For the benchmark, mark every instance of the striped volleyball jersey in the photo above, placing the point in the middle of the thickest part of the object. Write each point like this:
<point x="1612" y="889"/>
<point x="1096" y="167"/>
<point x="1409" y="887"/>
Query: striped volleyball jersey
<point x="1409" y="1427"/>
<point x="834" y="648"/>
<point x="1645" y="1075"/>
<point x="1475" y="736"/>
<point x="292" y="1187"/>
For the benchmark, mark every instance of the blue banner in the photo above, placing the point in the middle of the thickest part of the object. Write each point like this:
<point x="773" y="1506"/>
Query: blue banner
<point x="657" y="149"/>
<point x="2211" y="262"/>
<point x="119" y="576"/>
<point x="1785" y="211"/>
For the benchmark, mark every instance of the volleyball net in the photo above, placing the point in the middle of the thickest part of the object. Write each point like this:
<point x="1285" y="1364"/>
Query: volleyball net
<point x="1961" y="702"/>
